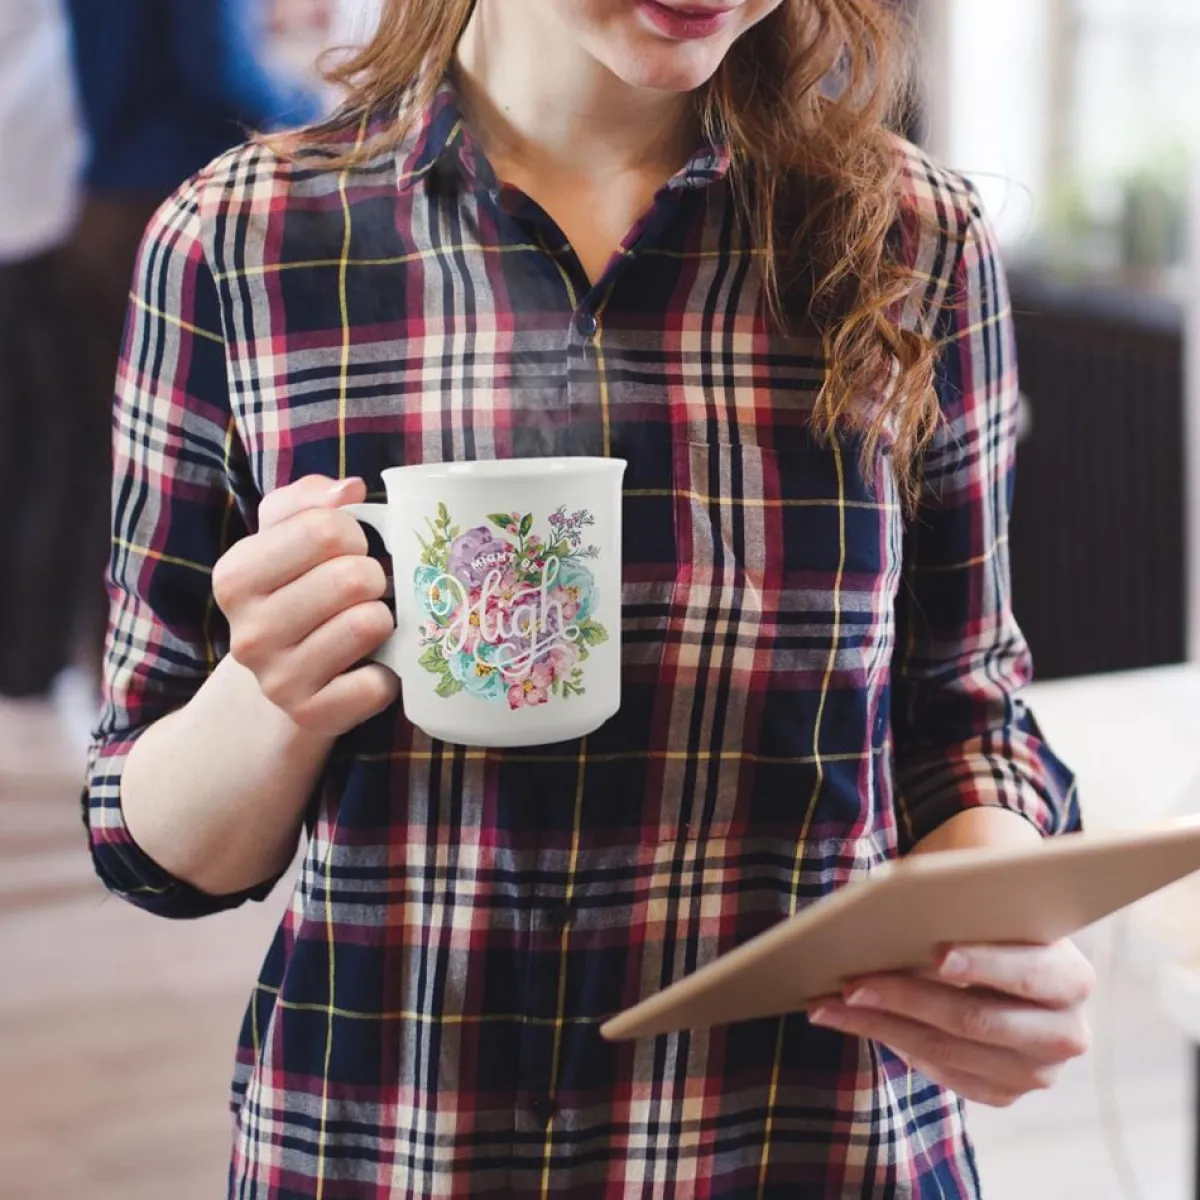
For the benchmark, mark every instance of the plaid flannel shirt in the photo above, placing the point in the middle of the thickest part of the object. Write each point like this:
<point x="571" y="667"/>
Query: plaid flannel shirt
<point x="811" y="682"/>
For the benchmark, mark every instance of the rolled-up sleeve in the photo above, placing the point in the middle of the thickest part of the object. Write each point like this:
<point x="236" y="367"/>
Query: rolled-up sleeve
<point x="963" y="737"/>
<point x="175" y="511"/>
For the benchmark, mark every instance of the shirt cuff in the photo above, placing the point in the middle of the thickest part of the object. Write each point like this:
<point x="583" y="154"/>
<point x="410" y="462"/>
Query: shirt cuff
<point x="123" y="866"/>
<point x="1014" y="771"/>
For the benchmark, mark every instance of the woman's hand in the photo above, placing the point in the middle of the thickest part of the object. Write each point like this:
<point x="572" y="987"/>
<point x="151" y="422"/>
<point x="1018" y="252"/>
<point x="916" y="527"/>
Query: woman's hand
<point x="992" y="1023"/>
<point x="304" y="605"/>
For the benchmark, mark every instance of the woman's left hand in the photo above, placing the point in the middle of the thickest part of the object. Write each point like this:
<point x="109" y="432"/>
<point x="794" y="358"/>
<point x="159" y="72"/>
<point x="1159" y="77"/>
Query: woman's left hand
<point x="991" y="1023"/>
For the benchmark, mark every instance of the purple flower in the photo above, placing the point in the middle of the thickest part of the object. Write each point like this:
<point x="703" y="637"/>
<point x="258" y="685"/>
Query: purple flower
<point x="477" y="553"/>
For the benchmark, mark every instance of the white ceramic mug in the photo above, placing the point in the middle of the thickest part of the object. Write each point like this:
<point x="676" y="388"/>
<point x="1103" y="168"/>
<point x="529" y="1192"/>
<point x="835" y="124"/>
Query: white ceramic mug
<point x="508" y="596"/>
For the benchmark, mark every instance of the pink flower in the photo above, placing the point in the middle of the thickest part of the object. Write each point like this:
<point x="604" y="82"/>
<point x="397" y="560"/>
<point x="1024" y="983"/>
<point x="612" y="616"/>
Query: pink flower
<point x="506" y="592"/>
<point x="474" y="633"/>
<point x="568" y="598"/>
<point x="562" y="658"/>
<point x="430" y="630"/>
<point x="534" y="689"/>
<point x="464" y="625"/>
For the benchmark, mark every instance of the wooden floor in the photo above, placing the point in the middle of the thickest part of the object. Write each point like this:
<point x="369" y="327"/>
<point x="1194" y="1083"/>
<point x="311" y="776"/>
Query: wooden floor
<point x="117" y="1030"/>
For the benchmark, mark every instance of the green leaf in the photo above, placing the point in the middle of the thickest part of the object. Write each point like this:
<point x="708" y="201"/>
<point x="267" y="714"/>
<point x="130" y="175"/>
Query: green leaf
<point x="526" y="524"/>
<point x="560" y="550"/>
<point x="574" y="685"/>
<point x="448" y="687"/>
<point x="592" y="633"/>
<point x="502" y="521"/>
<point x="432" y="659"/>
<point x="443" y="514"/>
<point x="453" y="532"/>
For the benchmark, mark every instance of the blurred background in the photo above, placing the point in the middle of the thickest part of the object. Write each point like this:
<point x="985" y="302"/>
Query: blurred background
<point x="1080" y="122"/>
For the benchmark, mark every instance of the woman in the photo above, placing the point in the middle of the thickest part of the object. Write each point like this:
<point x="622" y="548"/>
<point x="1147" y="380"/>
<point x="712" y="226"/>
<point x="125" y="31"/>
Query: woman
<point x="676" y="234"/>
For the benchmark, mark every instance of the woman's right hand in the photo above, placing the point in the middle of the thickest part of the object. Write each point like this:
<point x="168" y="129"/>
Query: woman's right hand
<point x="304" y="605"/>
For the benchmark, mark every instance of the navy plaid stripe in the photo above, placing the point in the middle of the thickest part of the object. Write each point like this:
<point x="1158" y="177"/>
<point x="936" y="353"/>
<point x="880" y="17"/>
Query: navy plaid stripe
<point x="811" y="683"/>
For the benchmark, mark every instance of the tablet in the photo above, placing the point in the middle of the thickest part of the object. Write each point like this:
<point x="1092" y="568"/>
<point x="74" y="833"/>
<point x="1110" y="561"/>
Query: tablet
<point x="905" y="913"/>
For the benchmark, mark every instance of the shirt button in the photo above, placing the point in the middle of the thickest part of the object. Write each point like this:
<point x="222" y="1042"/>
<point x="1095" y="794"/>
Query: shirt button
<point x="586" y="324"/>
<point x="544" y="1110"/>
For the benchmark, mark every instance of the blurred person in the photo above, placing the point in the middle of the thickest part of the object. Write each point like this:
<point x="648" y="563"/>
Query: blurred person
<point x="41" y="150"/>
<point x="620" y="227"/>
<point x="166" y="85"/>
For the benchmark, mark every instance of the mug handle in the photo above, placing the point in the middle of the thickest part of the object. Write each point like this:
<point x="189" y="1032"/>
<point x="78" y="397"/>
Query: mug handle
<point x="375" y="516"/>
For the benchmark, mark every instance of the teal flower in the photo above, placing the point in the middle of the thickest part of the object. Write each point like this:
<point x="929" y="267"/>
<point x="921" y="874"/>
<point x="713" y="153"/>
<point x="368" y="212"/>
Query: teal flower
<point x="478" y="673"/>
<point x="436" y="596"/>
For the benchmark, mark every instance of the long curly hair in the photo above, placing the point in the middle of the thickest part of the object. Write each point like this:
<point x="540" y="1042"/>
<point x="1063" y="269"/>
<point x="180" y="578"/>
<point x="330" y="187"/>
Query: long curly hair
<point x="805" y="103"/>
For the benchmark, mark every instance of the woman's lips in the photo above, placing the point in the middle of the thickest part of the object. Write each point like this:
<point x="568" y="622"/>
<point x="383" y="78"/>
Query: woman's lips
<point x="685" y="23"/>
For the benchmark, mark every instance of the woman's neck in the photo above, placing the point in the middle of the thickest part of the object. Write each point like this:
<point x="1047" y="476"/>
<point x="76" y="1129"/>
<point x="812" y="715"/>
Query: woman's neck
<point x="534" y="96"/>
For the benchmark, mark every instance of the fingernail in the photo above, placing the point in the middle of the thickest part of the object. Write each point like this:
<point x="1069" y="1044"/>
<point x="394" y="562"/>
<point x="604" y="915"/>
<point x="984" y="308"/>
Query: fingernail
<point x="823" y="1016"/>
<point x="340" y="488"/>
<point x="954" y="965"/>
<point x="863" y="997"/>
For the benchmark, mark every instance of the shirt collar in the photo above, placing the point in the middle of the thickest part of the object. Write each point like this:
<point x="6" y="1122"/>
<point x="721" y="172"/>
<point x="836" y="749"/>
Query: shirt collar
<point x="440" y="142"/>
<point x="708" y="165"/>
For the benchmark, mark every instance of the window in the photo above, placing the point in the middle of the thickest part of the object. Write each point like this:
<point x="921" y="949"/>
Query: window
<point x="1076" y="118"/>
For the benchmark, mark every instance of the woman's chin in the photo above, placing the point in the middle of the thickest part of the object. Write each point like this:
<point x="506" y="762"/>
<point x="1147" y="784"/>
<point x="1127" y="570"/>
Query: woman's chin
<point x="669" y="66"/>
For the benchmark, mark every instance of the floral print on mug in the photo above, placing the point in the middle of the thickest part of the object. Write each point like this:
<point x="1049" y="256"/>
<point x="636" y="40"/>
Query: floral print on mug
<point x="507" y="612"/>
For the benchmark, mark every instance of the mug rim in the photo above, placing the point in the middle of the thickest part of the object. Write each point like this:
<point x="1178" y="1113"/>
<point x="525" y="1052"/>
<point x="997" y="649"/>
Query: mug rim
<point x="507" y="468"/>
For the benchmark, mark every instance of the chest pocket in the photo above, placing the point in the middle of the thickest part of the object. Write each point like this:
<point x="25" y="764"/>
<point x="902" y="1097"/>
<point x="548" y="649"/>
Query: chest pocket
<point x="789" y="554"/>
